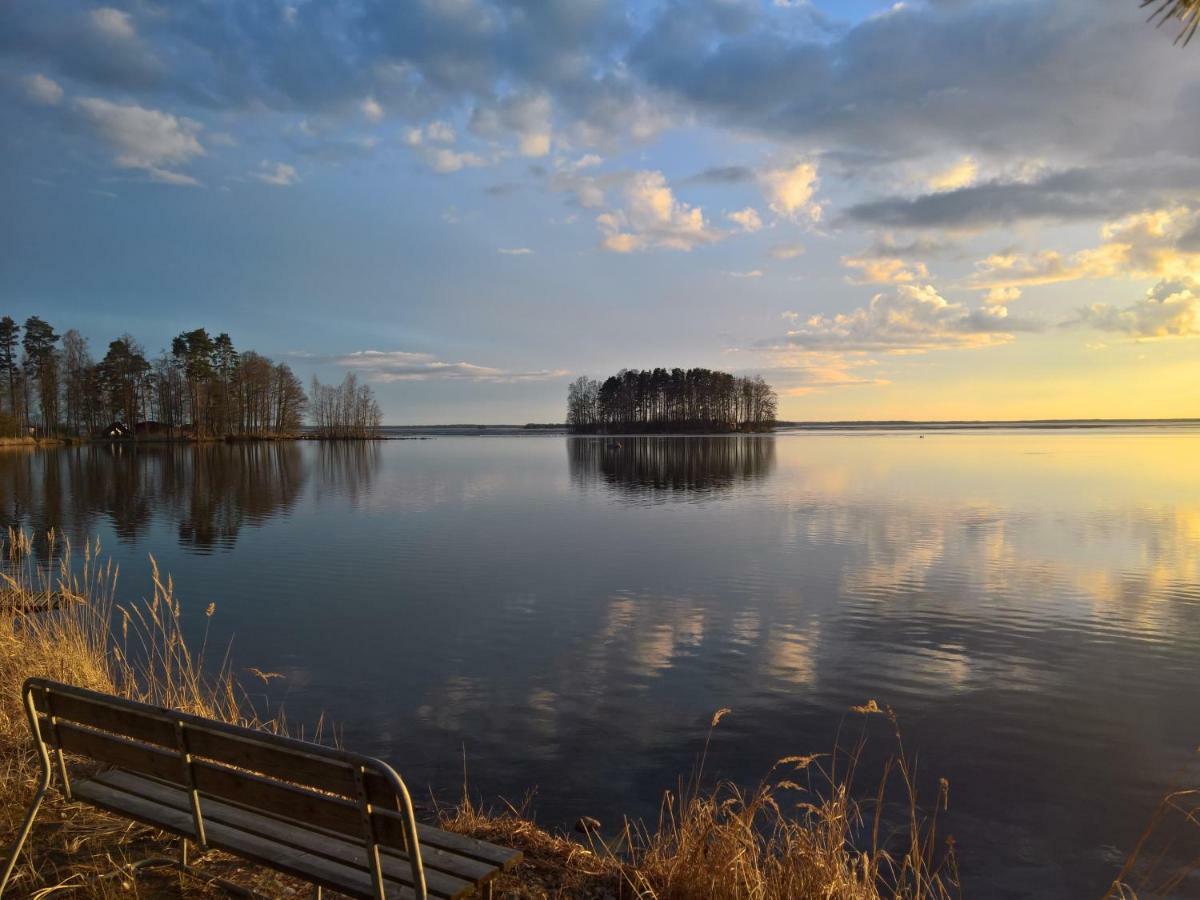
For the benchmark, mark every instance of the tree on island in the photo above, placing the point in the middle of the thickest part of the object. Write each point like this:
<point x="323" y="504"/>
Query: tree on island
<point x="662" y="400"/>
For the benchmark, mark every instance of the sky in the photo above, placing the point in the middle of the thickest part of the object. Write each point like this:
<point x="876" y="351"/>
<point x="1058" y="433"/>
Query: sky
<point x="956" y="209"/>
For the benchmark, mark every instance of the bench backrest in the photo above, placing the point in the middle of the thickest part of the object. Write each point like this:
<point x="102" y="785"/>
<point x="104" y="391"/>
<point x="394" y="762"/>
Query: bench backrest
<point x="357" y="797"/>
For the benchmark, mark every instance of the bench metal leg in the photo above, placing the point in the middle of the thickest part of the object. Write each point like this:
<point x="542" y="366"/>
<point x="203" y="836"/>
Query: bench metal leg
<point x="23" y="834"/>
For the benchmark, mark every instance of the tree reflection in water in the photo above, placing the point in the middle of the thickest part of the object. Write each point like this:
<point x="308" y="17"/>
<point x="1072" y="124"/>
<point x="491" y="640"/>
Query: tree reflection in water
<point x="649" y="466"/>
<point x="207" y="492"/>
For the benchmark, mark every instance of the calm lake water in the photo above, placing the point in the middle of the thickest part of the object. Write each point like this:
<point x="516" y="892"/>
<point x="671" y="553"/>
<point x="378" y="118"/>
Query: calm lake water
<point x="572" y="614"/>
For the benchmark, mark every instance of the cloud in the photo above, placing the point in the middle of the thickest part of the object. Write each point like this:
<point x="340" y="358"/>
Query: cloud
<point x="653" y="218"/>
<point x="1169" y="309"/>
<point x="443" y="160"/>
<point x="152" y="141"/>
<point x="787" y="251"/>
<point x="1153" y="243"/>
<point x="723" y="175"/>
<point x="43" y="90"/>
<point x="958" y="175"/>
<point x="789" y="191"/>
<point x="990" y="78"/>
<point x="753" y="273"/>
<point x="433" y="143"/>
<point x="400" y="365"/>
<point x="800" y="373"/>
<point x="908" y="319"/>
<point x="278" y="174"/>
<point x="438" y="132"/>
<point x="516" y="251"/>
<point x="371" y="110"/>
<point x="1103" y="191"/>
<point x="1002" y="295"/>
<point x="746" y="219"/>
<point x="113" y="24"/>
<point x="525" y="115"/>
<point x="888" y="246"/>
<point x="885" y="270"/>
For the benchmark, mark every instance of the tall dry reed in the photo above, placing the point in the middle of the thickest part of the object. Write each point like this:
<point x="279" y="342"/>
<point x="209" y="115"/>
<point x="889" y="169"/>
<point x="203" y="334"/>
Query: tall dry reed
<point x="797" y="835"/>
<point x="60" y="618"/>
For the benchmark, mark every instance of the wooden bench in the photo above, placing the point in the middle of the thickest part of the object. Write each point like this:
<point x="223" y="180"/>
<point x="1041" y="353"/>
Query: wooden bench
<point x="336" y="820"/>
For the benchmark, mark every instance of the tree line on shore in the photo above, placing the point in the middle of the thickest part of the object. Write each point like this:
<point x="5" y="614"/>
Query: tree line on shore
<point x="659" y="400"/>
<point x="202" y="387"/>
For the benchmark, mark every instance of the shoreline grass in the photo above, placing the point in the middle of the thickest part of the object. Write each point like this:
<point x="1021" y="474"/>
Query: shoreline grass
<point x="792" y="836"/>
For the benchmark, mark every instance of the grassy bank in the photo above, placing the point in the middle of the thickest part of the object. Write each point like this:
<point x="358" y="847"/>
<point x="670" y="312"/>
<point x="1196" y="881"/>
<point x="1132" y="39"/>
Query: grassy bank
<point x="800" y="833"/>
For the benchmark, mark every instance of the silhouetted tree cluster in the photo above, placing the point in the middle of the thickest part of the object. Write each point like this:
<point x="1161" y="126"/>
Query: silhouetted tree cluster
<point x="202" y="386"/>
<point x="346" y="410"/>
<point x="670" y="400"/>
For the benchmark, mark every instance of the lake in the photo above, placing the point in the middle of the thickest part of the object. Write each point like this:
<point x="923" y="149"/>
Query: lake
<point x="569" y="613"/>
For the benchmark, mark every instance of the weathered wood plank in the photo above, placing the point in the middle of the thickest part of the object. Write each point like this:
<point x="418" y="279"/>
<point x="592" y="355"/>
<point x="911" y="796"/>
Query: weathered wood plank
<point x="321" y="810"/>
<point x="118" y="751"/>
<point x="314" y="869"/>
<point x="258" y="755"/>
<point x="446" y="875"/>
<point x="143" y="726"/>
<point x="503" y="857"/>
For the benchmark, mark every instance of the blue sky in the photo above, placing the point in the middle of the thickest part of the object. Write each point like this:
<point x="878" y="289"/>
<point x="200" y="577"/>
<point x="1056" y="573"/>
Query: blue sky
<point x="927" y="210"/>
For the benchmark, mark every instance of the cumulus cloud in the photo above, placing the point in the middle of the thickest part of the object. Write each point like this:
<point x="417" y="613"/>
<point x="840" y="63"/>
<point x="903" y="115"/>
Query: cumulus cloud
<point x="652" y="217"/>
<point x="908" y="319"/>
<point x="527" y="116"/>
<point x="43" y="90"/>
<point x="752" y="273"/>
<point x="746" y="219"/>
<point x="789" y="191"/>
<point x="1148" y="244"/>
<point x="1169" y="309"/>
<point x="516" y="251"/>
<point x="444" y="160"/>
<point x="150" y="140"/>
<point x="884" y="270"/>
<point x="401" y="365"/>
<point x="278" y="174"/>
<point x="438" y="132"/>
<point x="434" y="142"/>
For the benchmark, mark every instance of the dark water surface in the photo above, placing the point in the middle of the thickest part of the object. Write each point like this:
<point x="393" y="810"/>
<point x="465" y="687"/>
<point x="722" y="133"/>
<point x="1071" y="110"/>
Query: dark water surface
<point x="572" y="613"/>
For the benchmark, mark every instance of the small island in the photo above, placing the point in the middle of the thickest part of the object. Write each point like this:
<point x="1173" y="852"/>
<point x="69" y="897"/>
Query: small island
<point x="657" y="401"/>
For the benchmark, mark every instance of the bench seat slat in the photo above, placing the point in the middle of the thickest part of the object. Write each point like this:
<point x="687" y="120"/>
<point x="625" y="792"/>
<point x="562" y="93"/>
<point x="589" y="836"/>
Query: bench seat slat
<point x="502" y="857"/>
<point x="446" y="875"/>
<point x="346" y="879"/>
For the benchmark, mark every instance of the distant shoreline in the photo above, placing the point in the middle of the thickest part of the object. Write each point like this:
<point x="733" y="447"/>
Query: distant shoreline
<point x="834" y="425"/>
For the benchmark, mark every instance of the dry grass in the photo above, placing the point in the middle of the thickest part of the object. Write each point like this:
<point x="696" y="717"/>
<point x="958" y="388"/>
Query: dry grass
<point x="796" y="835"/>
<point x="1164" y="861"/>
<point x="62" y="621"/>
